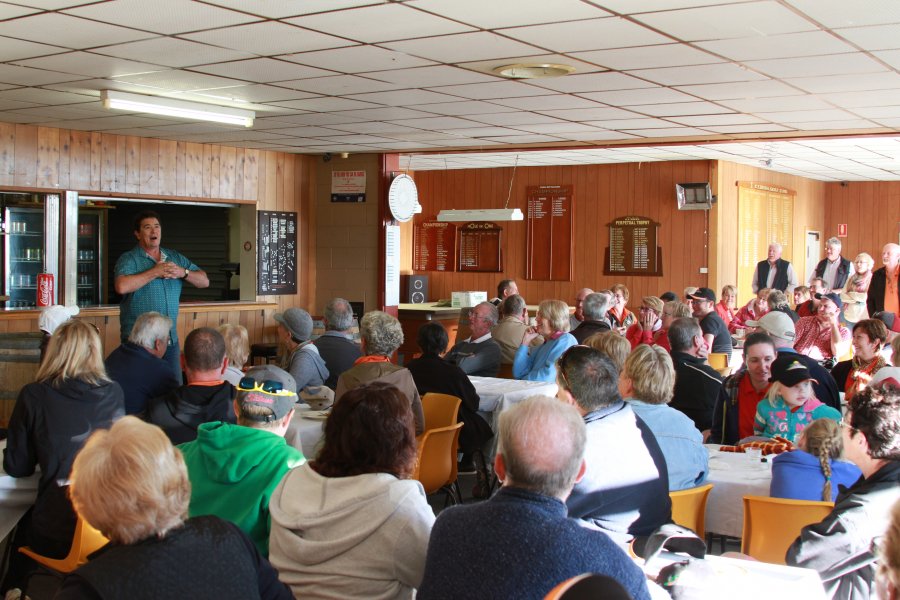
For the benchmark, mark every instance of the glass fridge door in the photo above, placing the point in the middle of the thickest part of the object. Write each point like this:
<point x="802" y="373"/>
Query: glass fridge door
<point x="89" y="278"/>
<point x="24" y="255"/>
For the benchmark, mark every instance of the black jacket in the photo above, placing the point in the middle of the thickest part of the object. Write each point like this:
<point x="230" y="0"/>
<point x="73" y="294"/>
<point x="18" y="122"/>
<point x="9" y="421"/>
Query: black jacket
<point x="588" y="328"/>
<point x="433" y="374"/>
<point x="339" y="354"/>
<point x="697" y="387"/>
<point x="180" y="412"/>
<point x="141" y="375"/>
<point x="48" y="426"/>
<point x="840" y="278"/>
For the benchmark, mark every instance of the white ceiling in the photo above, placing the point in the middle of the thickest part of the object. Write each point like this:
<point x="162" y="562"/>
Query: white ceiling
<point x="415" y="76"/>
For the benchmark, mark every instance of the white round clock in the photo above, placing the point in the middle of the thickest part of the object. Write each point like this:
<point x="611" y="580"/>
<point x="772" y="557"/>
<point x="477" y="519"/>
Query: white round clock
<point x="403" y="197"/>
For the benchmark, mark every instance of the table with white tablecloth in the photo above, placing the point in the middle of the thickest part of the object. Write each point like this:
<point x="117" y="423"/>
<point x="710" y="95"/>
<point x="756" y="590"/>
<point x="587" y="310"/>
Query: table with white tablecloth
<point x="306" y="430"/>
<point x="733" y="475"/>
<point x="17" y="495"/>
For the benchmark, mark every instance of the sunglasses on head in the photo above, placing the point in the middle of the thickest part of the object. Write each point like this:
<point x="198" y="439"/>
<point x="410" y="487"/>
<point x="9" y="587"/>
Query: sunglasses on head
<point x="249" y="384"/>
<point x="562" y="361"/>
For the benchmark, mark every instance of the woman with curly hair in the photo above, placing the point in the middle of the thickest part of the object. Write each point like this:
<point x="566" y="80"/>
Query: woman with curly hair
<point x="380" y="335"/>
<point x="814" y="471"/>
<point x="619" y="316"/>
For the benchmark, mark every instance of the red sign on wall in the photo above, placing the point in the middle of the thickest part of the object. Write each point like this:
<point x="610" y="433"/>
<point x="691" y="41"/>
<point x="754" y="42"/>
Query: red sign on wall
<point x="842" y="230"/>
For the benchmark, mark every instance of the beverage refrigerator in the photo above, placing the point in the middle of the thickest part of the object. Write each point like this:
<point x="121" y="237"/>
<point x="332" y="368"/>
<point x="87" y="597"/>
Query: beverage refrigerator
<point x="23" y="252"/>
<point x="91" y="272"/>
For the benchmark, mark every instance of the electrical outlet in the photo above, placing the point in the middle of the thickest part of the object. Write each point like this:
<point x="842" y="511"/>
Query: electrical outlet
<point x="704" y="270"/>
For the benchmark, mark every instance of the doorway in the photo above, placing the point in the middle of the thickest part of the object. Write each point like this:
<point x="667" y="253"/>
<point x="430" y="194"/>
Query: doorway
<point x="812" y="254"/>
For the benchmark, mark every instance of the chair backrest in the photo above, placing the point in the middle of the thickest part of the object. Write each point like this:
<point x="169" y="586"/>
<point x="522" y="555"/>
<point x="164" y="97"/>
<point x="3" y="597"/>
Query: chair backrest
<point x="589" y="586"/>
<point x="772" y="524"/>
<point x="436" y="457"/>
<point x="86" y="541"/>
<point x="689" y="508"/>
<point x="441" y="410"/>
<point x="505" y="371"/>
<point x="718" y="360"/>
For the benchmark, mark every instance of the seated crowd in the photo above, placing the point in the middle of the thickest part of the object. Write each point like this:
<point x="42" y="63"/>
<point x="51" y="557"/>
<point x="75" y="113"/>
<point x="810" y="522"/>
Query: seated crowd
<point x="214" y="463"/>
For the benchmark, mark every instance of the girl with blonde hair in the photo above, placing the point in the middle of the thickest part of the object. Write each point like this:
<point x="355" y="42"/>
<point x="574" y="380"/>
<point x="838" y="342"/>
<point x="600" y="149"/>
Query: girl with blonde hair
<point x="814" y="470"/>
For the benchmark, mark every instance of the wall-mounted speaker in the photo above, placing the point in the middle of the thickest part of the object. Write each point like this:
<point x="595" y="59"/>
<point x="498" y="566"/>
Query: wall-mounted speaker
<point x="416" y="287"/>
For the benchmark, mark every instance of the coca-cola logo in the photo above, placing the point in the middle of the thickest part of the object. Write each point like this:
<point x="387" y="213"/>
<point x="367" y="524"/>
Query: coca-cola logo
<point x="45" y="290"/>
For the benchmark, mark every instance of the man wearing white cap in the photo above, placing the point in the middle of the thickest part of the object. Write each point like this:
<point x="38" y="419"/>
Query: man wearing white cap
<point x="51" y="318"/>
<point x="780" y="328"/>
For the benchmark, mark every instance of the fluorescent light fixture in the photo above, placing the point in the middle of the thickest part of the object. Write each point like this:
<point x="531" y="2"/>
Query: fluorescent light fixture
<point x="196" y="111"/>
<point x="481" y="214"/>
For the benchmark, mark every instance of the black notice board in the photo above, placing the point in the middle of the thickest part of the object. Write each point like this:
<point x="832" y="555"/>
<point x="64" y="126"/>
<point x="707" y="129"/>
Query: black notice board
<point x="276" y="253"/>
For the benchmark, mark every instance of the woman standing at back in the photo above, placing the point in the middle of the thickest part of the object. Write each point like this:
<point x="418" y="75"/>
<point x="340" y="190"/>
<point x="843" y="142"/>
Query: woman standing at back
<point x="814" y="471"/>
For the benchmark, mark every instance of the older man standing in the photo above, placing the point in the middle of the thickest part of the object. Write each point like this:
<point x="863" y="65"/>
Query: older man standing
<point x="478" y="354"/>
<point x="150" y="277"/>
<point x="774" y="272"/>
<point x="884" y="292"/>
<point x="834" y="269"/>
<point x="843" y="547"/>
<point x="336" y="346"/>
<point x="520" y="544"/>
<point x="594" y="307"/>
<point x="137" y="364"/>
<point x="822" y="337"/>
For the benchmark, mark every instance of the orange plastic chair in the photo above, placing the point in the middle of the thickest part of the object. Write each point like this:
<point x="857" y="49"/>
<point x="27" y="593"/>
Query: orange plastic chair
<point x="85" y="542"/>
<point x="436" y="460"/>
<point x="719" y="362"/>
<point x="689" y="508"/>
<point x="441" y="410"/>
<point x="772" y="524"/>
<point x="588" y="586"/>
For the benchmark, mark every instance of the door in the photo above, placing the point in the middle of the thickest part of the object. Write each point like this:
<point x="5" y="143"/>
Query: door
<point x="812" y="254"/>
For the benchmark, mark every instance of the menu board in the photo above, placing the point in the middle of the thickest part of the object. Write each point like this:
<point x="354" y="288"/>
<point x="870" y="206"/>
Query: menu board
<point x="479" y="248"/>
<point x="434" y="246"/>
<point x="632" y="247"/>
<point x="549" y="233"/>
<point x="276" y="253"/>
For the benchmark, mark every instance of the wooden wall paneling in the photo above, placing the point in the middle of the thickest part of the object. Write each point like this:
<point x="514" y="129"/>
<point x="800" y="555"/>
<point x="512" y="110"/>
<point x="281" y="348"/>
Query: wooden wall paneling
<point x="65" y="159"/>
<point x="80" y="159"/>
<point x="239" y="159"/>
<point x="227" y="165"/>
<point x="871" y="211"/>
<point x="7" y="154"/>
<point x="211" y="167"/>
<point x="250" y="180"/>
<point x="26" y="156"/>
<point x="96" y="160"/>
<point x="132" y="165"/>
<point x="149" y="177"/>
<point x="81" y="156"/>
<point x="181" y="169"/>
<point x="108" y="144"/>
<point x="167" y="168"/>
<point x="193" y="170"/>
<point x="280" y="188"/>
<point x="48" y="157"/>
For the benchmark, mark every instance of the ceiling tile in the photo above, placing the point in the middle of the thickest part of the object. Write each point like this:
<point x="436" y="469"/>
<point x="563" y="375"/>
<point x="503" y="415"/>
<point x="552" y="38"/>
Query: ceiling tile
<point x="13" y="49"/>
<point x="488" y="66"/>
<point x="876" y="98"/>
<point x="179" y="80"/>
<point x="706" y="120"/>
<point x="680" y="108"/>
<point x="634" y="123"/>
<point x="262" y="70"/>
<point x="871" y="112"/>
<point x="490" y="91"/>
<point x="740" y="90"/>
<point x="648" y="57"/>
<point x="837" y="13"/>
<point x="324" y="104"/>
<point x="807" y="43"/>
<point x="172" y="52"/>
<point x="830" y="125"/>
<point x="652" y="95"/>
<point x="891" y="57"/>
<point x="509" y="13"/>
<point x="718" y="73"/>
<point x="798" y="116"/>
<point x="545" y="103"/>
<point x="744" y="128"/>
<point x="481" y="45"/>
<point x="89" y="65"/>
<point x="253" y="93"/>
<point x="481" y="131"/>
<point x="382" y="23"/>
<point x="517" y="117"/>
<point x="312" y="118"/>
<point x="592" y="82"/>
<point x="11" y="11"/>
<point x="630" y="7"/>
<point x="460" y="108"/>
<point x="266" y="39"/>
<point x="339" y="85"/>
<point x="167" y="17"/>
<point x="757" y="105"/>
<point x="44" y="96"/>
<point x="876" y="37"/>
<point x="385" y="129"/>
<point x="592" y="34"/>
<point x="559" y="128"/>
<point x="590" y="114"/>
<point x="522" y="139"/>
<point x="358" y="59"/>
<point x="24" y="76"/>
<point x="440" y="75"/>
<point x="437" y="123"/>
<point x="68" y="31"/>
<point x="847" y="83"/>
<point x="670" y="132"/>
<point x="753" y="19"/>
<point x="812" y="66"/>
<point x="386" y="113"/>
<point x="404" y="97"/>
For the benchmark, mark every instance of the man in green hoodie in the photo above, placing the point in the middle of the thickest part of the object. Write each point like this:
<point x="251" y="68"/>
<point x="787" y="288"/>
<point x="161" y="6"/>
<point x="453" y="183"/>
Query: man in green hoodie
<point x="234" y="468"/>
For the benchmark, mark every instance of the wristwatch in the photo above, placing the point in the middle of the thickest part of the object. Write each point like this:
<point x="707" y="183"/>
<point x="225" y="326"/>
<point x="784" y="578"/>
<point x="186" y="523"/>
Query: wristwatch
<point x="186" y="273"/>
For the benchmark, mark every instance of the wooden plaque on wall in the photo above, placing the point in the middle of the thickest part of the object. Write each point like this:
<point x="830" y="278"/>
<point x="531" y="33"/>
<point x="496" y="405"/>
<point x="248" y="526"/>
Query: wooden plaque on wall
<point x="549" y="233"/>
<point x="632" y="247"/>
<point x="434" y="246"/>
<point x="479" y="248"/>
<point x="276" y="253"/>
